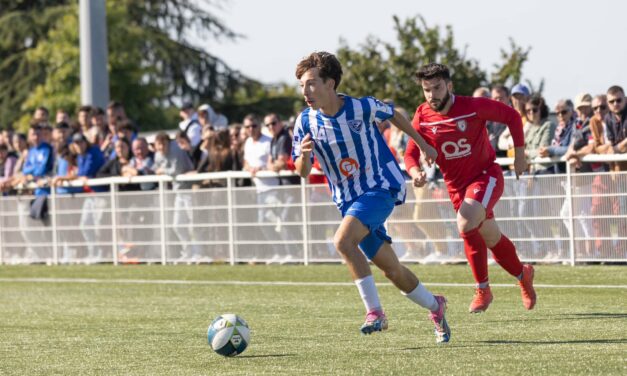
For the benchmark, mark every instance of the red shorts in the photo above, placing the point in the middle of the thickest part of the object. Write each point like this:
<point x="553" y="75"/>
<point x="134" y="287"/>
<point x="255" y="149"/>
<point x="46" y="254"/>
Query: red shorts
<point x="487" y="188"/>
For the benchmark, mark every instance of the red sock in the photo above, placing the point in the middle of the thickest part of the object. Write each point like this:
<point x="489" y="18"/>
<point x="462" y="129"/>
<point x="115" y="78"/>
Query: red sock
<point x="477" y="254"/>
<point x="504" y="253"/>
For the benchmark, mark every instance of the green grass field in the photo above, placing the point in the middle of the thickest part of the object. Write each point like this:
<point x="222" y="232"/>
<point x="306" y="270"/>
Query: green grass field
<point x="104" y="324"/>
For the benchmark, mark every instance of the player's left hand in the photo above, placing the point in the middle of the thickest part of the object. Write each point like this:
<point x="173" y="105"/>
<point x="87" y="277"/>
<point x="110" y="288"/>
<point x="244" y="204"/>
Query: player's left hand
<point x="420" y="180"/>
<point x="430" y="154"/>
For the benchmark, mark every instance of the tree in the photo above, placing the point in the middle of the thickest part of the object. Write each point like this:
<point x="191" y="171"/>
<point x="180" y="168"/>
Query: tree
<point x="23" y="24"/>
<point x="153" y="66"/>
<point x="387" y="70"/>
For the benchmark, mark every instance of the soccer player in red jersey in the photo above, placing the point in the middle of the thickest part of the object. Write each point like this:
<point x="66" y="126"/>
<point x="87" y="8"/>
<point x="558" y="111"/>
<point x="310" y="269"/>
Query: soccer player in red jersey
<point x="456" y="127"/>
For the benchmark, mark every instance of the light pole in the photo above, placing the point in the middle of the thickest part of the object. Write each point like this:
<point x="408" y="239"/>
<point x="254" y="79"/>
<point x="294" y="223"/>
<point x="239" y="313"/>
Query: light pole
<point x="94" y="53"/>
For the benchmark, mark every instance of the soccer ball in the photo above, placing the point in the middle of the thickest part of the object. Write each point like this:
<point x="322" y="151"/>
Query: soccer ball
<point x="228" y="335"/>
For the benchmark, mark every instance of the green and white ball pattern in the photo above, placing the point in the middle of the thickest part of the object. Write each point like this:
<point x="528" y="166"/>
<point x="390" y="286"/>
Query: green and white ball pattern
<point x="228" y="335"/>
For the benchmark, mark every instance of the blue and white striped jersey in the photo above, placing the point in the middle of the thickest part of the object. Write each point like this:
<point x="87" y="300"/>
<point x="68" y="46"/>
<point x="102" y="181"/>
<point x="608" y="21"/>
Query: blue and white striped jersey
<point x="350" y="149"/>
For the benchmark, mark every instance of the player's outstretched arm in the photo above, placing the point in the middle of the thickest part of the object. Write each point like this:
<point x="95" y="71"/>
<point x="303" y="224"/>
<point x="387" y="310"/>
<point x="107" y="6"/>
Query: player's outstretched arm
<point x="303" y="162"/>
<point x="401" y="122"/>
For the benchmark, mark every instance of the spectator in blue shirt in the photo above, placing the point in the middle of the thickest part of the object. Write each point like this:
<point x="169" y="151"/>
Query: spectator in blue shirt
<point x="89" y="158"/>
<point x="65" y="170"/>
<point x="39" y="161"/>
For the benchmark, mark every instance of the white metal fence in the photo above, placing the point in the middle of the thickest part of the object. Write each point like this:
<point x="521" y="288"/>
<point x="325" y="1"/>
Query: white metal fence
<point x="296" y="223"/>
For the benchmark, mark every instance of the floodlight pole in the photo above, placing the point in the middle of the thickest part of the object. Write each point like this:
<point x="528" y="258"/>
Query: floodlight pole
<point x="94" y="53"/>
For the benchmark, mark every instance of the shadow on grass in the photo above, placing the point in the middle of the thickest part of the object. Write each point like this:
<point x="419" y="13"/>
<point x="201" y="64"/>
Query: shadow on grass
<point x="518" y="342"/>
<point x="599" y="315"/>
<point x="565" y="342"/>
<point x="265" y="356"/>
<point x="569" y="316"/>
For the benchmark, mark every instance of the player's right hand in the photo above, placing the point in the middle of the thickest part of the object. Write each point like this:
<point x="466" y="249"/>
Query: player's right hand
<point x="430" y="154"/>
<point x="306" y="145"/>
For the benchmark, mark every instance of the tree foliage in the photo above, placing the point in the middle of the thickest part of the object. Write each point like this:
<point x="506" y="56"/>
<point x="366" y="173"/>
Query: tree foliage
<point x="387" y="70"/>
<point x="152" y="64"/>
<point x="23" y="24"/>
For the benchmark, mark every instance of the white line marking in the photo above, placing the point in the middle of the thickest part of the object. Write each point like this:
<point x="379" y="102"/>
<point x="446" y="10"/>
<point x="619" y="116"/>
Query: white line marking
<point x="275" y="283"/>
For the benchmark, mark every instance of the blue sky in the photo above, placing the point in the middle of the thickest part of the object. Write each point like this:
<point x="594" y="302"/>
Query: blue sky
<point x="576" y="45"/>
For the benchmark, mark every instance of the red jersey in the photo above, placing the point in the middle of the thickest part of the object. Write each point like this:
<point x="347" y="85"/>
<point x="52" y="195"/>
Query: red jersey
<point x="461" y="138"/>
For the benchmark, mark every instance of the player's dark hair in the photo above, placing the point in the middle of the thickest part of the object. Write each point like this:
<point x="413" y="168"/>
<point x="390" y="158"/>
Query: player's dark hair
<point x="328" y="67"/>
<point x="614" y="90"/>
<point x="433" y="70"/>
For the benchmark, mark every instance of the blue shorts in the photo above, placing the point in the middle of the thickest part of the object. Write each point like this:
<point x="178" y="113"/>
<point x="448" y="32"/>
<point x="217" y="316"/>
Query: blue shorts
<point x="372" y="209"/>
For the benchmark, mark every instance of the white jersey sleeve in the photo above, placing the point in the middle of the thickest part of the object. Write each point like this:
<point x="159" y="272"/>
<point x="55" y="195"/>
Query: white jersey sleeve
<point x="380" y="111"/>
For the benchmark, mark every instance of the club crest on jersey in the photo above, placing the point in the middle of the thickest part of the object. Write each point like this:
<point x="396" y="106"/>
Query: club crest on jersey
<point x="434" y="130"/>
<point x="355" y="125"/>
<point x="461" y="125"/>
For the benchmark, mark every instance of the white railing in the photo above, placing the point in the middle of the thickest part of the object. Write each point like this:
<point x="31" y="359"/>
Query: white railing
<point x="296" y="223"/>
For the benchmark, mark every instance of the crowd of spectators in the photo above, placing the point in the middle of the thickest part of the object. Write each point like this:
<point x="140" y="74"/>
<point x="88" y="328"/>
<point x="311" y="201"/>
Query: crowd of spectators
<point x="99" y="143"/>
<point x="106" y="143"/>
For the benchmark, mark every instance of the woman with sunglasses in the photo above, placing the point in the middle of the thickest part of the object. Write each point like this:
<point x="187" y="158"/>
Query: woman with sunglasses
<point x="539" y="129"/>
<point x="561" y="139"/>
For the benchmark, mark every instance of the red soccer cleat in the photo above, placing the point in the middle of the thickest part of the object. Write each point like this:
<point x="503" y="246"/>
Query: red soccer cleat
<point x="526" y="287"/>
<point x="482" y="299"/>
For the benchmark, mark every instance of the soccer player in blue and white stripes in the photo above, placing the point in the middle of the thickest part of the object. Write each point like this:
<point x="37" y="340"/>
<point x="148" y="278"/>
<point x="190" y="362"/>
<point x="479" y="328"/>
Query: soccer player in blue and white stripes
<point x="365" y="180"/>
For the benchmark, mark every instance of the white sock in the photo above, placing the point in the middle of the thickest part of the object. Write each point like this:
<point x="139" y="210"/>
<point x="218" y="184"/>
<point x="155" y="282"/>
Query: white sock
<point x="423" y="297"/>
<point x="369" y="295"/>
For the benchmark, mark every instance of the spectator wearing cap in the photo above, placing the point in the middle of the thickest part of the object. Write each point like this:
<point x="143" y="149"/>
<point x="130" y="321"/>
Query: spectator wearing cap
<point x="89" y="159"/>
<point x="582" y="142"/>
<point x="519" y="96"/>
<point x="39" y="161"/>
<point x="209" y="118"/>
<point x="583" y="108"/>
<point x="190" y="124"/>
